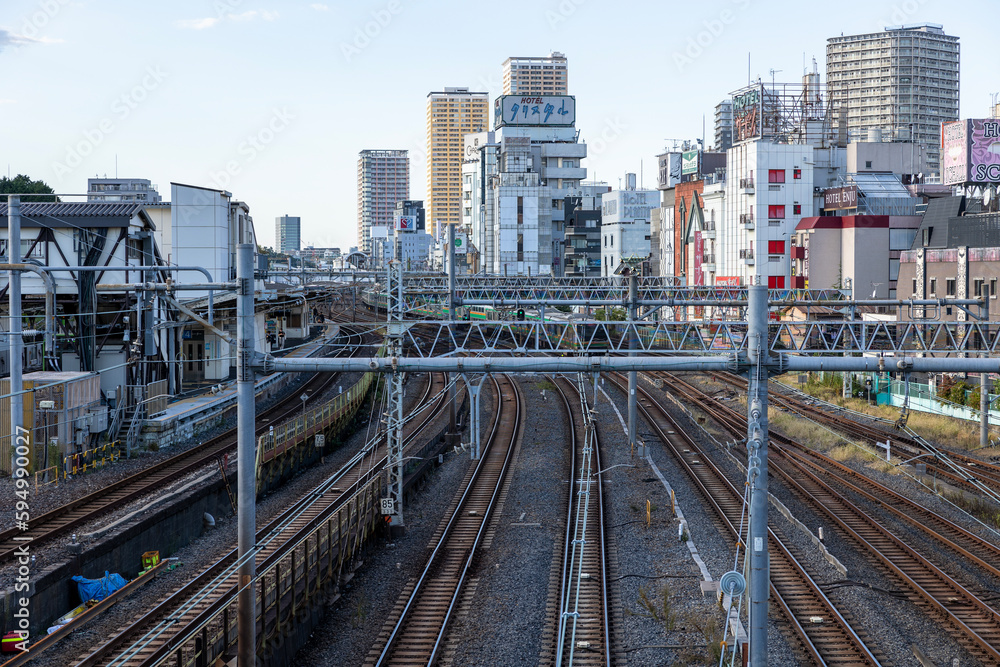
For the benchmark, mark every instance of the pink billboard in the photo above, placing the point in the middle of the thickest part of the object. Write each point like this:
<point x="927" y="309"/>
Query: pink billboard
<point x="970" y="151"/>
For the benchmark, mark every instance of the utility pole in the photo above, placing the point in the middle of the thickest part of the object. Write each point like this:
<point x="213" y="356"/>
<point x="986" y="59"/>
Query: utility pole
<point x="984" y="410"/>
<point x="14" y="336"/>
<point x="394" y="348"/>
<point x="633" y="316"/>
<point x="757" y="352"/>
<point x="246" y="474"/>
<point x="450" y="258"/>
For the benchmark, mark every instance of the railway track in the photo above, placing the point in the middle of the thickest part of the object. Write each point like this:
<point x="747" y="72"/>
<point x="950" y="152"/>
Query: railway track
<point x="416" y="632"/>
<point x="822" y="634"/>
<point x="176" y="630"/>
<point x="94" y="505"/>
<point x="967" y="618"/>
<point x="962" y="471"/>
<point x="584" y="614"/>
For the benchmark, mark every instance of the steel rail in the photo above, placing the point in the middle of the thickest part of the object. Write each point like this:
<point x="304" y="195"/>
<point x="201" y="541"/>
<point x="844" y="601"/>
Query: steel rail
<point x="798" y="595"/>
<point x="454" y="530"/>
<point x="274" y="542"/>
<point x="87" y="508"/>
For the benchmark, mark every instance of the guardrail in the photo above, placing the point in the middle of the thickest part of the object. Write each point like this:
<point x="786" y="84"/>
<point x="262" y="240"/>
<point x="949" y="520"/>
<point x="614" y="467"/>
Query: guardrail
<point x="76" y="464"/>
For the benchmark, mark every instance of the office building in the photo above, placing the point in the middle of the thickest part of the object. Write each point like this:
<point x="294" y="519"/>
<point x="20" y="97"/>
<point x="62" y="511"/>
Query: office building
<point x="723" y="126"/>
<point x="536" y="76"/>
<point x="896" y="85"/>
<point x="122" y="189"/>
<point x="383" y="181"/>
<point x="451" y="114"/>
<point x="625" y="225"/>
<point x="288" y="234"/>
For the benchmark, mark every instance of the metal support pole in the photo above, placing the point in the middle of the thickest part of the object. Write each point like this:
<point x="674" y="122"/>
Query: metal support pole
<point x="757" y="350"/>
<point x="247" y="484"/>
<point x="394" y="345"/>
<point x="633" y="316"/>
<point x="16" y="343"/>
<point x="984" y="411"/>
<point x="452" y="417"/>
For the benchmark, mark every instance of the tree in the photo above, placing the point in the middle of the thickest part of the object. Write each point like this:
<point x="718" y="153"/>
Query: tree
<point x="22" y="184"/>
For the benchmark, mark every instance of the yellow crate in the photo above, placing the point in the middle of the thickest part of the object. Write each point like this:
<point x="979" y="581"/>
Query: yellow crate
<point x="150" y="559"/>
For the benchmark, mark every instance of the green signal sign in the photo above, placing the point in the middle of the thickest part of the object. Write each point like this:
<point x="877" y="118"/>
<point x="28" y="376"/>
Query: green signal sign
<point x="458" y="243"/>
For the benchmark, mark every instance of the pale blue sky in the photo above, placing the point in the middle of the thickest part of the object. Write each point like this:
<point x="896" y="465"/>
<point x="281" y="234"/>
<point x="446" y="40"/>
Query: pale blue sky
<point x="273" y="100"/>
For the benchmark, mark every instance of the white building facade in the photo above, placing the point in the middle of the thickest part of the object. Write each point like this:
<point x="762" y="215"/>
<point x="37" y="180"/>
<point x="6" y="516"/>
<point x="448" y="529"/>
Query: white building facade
<point x="625" y="226"/>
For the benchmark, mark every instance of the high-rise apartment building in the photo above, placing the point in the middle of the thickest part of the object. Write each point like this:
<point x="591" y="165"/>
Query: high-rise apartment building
<point x="451" y="115"/>
<point x="723" y="126"/>
<point x="895" y="85"/>
<point x="288" y="234"/>
<point x="122" y="189"/>
<point x="536" y="76"/>
<point x="383" y="180"/>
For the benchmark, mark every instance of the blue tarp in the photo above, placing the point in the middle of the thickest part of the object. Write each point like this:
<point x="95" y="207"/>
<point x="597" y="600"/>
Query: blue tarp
<point x="98" y="589"/>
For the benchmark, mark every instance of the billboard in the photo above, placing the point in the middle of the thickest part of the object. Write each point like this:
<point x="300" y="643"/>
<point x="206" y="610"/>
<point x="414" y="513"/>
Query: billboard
<point x="840" y="198"/>
<point x="747" y="113"/>
<point x="699" y="252"/>
<point x="545" y="110"/>
<point x="727" y="281"/>
<point x="406" y="223"/>
<point x="971" y="151"/>
<point x="689" y="162"/>
<point x="461" y="243"/>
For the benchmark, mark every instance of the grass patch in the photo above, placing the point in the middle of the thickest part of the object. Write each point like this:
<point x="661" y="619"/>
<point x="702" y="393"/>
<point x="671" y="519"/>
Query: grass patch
<point x="984" y="510"/>
<point x="545" y="385"/>
<point x="658" y="606"/>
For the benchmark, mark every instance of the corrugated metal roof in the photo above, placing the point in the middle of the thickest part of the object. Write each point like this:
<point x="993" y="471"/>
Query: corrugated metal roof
<point x="76" y="209"/>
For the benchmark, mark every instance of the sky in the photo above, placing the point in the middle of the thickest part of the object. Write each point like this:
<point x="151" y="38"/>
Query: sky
<point x="272" y="101"/>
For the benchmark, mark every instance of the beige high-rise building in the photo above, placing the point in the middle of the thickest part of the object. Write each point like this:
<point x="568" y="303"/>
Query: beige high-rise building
<point x="536" y="76"/>
<point x="383" y="181"/>
<point x="896" y="85"/>
<point x="451" y="115"/>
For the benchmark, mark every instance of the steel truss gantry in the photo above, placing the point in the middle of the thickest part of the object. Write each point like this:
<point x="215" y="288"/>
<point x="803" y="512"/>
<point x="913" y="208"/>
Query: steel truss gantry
<point x="754" y="347"/>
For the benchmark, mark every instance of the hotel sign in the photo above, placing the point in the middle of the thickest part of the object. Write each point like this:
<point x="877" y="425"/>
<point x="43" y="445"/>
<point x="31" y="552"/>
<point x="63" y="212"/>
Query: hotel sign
<point x="530" y="110"/>
<point x="747" y="114"/>
<point x="970" y="151"/>
<point x="836" y="199"/>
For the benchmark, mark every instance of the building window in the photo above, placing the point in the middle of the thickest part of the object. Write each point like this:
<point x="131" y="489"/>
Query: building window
<point x="868" y="164"/>
<point x="949" y="286"/>
<point x="776" y="247"/>
<point x="796" y="174"/>
<point x="993" y="288"/>
<point x="914" y="286"/>
<point x="775" y="175"/>
<point x="933" y="287"/>
<point x="797" y="209"/>
<point x="776" y="211"/>
<point x="977" y="287"/>
<point x="776" y="282"/>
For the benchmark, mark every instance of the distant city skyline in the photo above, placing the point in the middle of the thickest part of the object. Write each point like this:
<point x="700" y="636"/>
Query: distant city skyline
<point x="194" y="101"/>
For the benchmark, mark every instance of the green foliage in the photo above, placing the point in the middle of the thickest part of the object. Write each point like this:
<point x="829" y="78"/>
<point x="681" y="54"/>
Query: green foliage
<point x="659" y="606"/>
<point x="616" y="315"/>
<point x="22" y="184"/>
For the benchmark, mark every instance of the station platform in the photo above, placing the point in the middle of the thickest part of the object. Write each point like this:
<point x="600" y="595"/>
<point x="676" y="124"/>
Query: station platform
<point x="189" y="416"/>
